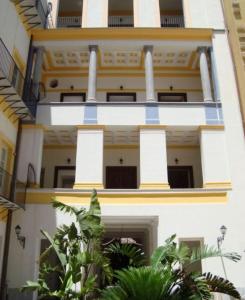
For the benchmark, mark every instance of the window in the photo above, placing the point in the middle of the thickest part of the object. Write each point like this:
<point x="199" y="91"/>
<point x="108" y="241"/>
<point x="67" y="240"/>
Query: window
<point x="72" y="97"/>
<point x="171" y="13"/>
<point x="180" y="177"/>
<point x="121" y="97"/>
<point x="192" y="244"/>
<point x="64" y="177"/>
<point x="172" y="97"/>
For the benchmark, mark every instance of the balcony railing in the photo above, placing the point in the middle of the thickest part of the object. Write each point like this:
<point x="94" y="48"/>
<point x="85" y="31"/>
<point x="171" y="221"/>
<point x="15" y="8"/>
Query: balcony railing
<point x="120" y="21"/>
<point x="34" y="12"/>
<point x="108" y="113"/>
<point x="69" y="21"/>
<point x="12" y="84"/>
<point x="7" y="199"/>
<point x="172" y="21"/>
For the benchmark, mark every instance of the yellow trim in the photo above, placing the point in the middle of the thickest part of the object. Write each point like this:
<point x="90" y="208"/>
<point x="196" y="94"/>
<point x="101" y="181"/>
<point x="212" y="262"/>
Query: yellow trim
<point x="8" y="112"/>
<point x="33" y="126"/>
<point x="211" y="127"/>
<point x="19" y="60"/>
<point x="87" y="186"/>
<point x="59" y="147"/>
<point x="33" y="185"/>
<point x="154" y="186"/>
<point x="129" y="199"/>
<point x="92" y="127"/>
<point x="181" y="34"/>
<point x="3" y="214"/>
<point x="161" y="127"/>
<point x="23" y="19"/>
<point x="217" y="185"/>
<point x="121" y="146"/>
<point x="183" y="146"/>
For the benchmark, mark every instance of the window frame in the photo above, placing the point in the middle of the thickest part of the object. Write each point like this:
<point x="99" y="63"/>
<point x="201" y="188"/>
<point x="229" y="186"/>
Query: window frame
<point x="56" y="173"/>
<point x="159" y="95"/>
<point x="62" y="95"/>
<point x="108" y="95"/>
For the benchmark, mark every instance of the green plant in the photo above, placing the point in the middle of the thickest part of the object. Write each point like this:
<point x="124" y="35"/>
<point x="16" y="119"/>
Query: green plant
<point x="165" y="278"/>
<point x="124" y="255"/>
<point x="77" y="247"/>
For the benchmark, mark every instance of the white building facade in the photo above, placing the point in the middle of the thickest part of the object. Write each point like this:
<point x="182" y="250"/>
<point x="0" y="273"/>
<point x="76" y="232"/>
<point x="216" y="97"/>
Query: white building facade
<point x="137" y="99"/>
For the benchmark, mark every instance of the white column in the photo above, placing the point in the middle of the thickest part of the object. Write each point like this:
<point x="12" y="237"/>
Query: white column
<point x="153" y="157"/>
<point x="92" y="76"/>
<point x="54" y="13"/>
<point x="149" y="74"/>
<point x="89" y="159"/>
<point x="214" y="158"/>
<point x="205" y="77"/>
<point x="31" y="150"/>
<point x="37" y="75"/>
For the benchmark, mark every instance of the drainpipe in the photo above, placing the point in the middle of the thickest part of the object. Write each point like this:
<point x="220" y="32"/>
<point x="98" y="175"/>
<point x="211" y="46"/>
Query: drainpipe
<point x="3" y="287"/>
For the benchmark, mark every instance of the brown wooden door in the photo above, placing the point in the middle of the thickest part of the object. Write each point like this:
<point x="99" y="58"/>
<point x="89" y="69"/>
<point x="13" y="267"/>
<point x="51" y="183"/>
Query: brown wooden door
<point x="180" y="177"/>
<point x="121" y="177"/>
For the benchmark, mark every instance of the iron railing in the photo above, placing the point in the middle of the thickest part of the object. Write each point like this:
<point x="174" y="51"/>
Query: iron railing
<point x="121" y="21"/>
<point x="13" y="81"/>
<point x="26" y="9"/>
<point x="69" y="21"/>
<point x="6" y="184"/>
<point x="172" y="21"/>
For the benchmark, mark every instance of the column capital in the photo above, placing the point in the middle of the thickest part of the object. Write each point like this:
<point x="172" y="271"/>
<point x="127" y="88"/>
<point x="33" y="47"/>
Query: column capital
<point x="202" y="49"/>
<point x="93" y="48"/>
<point x="148" y="48"/>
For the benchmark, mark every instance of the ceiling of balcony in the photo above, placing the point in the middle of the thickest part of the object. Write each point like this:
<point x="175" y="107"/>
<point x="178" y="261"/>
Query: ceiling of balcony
<point x="121" y="135"/>
<point x="78" y="59"/>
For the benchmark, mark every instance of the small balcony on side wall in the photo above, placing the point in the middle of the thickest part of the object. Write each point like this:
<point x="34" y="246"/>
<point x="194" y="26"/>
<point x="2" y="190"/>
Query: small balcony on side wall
<point x="34" y="12"/>
<point x="12" y="192"/>
<point x="12" y="84"/>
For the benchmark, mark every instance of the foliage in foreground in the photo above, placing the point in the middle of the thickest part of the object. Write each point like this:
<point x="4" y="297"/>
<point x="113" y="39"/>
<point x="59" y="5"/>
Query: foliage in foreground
<point x="165" y="279"/>
<point x="77" y="247"/>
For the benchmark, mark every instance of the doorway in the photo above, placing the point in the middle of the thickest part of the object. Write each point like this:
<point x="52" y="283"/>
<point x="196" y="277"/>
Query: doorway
<point x="180" y="177"/>
<point x="121" y="177"/>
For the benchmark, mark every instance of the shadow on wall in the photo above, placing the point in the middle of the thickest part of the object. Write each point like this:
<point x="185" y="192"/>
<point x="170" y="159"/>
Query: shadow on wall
<point x="23" y="262"/>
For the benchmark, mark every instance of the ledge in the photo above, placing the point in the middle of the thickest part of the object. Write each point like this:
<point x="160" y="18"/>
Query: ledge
<point x="130" y="197"/>
<point x="181" y="34"/>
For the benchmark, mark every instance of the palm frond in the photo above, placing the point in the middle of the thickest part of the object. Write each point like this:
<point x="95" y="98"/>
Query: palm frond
<point x="220" y="285"/>
<point x="204" y="252"/>
<point x="67" y="208"/>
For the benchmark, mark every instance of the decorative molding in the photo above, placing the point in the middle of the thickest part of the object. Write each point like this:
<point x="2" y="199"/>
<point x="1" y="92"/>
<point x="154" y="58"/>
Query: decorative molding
<point x="63" y="34"/>
<point x="218" y="185"/>
<point x="129" y="198"/>
<point x="154" y="186"/>
<point x="87" y="186"/>
<point x="211" y="127"/>
<point x="90" y="127"/>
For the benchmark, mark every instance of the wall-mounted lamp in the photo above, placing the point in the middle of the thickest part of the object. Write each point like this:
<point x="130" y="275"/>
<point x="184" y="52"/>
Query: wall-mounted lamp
<point x="121" y="87"/>
<point x="171" y="87"/>
<point x="68" y="160"/>
<point x="72" y="87"/>
<point x="176" y="160"/>
<point x="121" y="161"/>
<point x="20" y="238"/>
<point x="221" y="238"/>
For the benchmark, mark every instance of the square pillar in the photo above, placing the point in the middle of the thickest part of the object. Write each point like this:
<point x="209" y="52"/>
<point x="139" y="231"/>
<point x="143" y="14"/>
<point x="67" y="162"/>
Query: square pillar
<point x="89" y="159"/>
<point x="30" y="153"/>
<point x="214" y="158"/>
<point x="153" y="157"/>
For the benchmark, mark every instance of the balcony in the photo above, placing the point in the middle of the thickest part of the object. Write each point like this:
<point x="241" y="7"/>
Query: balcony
<point x="172" y="21"/>
<point x="108" y="113"/>
<point x="70" y="21"/>
<point x="121" y="21"/>
<point x="34" y="12"/>
<point x="11" y="87"/>
<point x="7" y="199"/>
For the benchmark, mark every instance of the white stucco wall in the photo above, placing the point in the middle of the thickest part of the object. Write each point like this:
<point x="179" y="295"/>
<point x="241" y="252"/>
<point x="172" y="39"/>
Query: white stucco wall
<point x="12" y="31"/>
